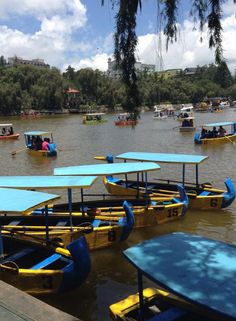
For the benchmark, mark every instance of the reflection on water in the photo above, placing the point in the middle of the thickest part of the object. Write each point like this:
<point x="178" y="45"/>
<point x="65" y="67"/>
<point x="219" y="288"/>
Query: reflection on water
<point x="112" y="277"/>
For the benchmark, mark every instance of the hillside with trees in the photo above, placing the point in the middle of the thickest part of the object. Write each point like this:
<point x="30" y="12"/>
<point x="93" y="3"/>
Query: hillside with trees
<point x="23" y="88"/>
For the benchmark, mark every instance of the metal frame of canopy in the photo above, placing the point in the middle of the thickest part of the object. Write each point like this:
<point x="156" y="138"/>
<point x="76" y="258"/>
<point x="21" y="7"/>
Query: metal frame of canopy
<point x="50" y="182"/>
<point x="166" y="158"/>
<point x="24" y="202"/>
<point x="110" y="169"/>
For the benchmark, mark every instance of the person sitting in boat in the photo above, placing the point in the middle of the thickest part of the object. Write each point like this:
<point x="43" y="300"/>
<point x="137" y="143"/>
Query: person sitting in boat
<point x="10" y="131"/>
<point x="4" y="131"/>
<point x="45" y="144"/>
<point x="214" y="132"/>
<point x="221" y="131"/>
<point x="38" y="143"/>
<point x="185" y="123"/>
<point x="185" y="115"/>
<point x="204" y="133"/>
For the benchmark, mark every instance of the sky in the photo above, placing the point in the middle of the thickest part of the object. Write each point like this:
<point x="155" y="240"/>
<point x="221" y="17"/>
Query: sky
<point x="80" y="33"/>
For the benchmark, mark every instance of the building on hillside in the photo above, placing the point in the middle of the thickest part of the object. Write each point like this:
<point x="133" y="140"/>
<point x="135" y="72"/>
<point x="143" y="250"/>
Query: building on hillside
<point x="114" y="72"/>
<point x="190" y="71"/>
<point x="34" y="62"/>
<point x="169" y="73"/>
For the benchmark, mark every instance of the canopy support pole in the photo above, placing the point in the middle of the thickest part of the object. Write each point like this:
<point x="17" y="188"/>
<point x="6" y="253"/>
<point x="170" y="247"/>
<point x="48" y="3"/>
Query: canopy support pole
<point x="70" y="207"/>
<point x="137" y="185"/>
<point x="46" y="224"/>
<point x="140" y="291"/>
<point x="82" y="200"/>
<point x="197" y="183"/>
<point x="146" y="188"/>
<point x="183" y="177"/>
<point x="1" y="245"/>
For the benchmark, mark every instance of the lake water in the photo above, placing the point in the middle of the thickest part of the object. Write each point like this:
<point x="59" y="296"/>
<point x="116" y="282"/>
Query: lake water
<point x="111" y="277"/>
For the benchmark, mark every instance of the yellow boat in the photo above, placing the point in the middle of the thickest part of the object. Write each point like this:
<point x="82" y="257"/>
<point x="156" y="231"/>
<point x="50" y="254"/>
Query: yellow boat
<point x="62" y="229"/>
<point x="202" y="196"/>
<point x="146" y="212"/>
<point x="34" y="140"/>
<point x="211" y="138"/>
<point x="38" y="268"/>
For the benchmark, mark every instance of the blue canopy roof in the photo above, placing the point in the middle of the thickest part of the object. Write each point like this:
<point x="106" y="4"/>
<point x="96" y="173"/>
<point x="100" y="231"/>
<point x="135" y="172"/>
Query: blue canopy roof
<point x="106" y="169"/>
<point x="37" y="133"/>
<point x="42" y="182"/>
<point x="163" y="157"/>
<point x="13" y="201"/>
<point x="226" y="123"/>
<point x="198" y="269"/>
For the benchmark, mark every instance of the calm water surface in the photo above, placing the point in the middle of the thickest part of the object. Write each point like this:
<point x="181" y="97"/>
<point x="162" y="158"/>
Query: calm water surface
<point x="111" y="277"/>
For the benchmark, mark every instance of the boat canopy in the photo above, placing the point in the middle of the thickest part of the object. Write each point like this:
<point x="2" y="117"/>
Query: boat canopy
<point x="192" y="267"/>
<point x="186" y="108"/>
<point x="14" y="201"/>
<point x="6" y="125"/>
<point x="163" y="158"/>
<point x="106" y="169"/>
<point x="37" y="133"/>
<point x="46" y="182"/>
<point x="226" y="123"/>
<point x="95" y="114"/>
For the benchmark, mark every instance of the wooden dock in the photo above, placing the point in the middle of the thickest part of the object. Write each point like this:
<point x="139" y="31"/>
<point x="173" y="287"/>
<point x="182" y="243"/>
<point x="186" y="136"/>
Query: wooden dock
<point x="16" y="305"/>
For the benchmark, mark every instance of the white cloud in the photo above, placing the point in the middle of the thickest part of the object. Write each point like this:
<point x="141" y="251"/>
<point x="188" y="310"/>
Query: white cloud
<point x="98" y="61"/>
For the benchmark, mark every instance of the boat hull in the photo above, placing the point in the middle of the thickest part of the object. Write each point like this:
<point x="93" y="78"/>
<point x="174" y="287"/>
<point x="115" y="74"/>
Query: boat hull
<point x="187" y="129"/>
<point x="14" y="136"/>
<point x="126" y="122"/>
<point x="42" y="153"/>
<point x="94" y="122"/>
<point x="205" y="198"/>
<point x="217" y="140"/>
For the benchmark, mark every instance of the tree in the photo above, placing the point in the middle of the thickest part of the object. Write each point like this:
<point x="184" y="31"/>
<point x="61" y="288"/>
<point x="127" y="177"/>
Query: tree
<point x="223" y="76"/>
<point x="203" y="11"/>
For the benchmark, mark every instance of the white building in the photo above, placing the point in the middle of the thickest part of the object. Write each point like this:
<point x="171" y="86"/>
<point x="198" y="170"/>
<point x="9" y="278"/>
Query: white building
<point x="34" y="62"/>
<point x="114" y="72"/>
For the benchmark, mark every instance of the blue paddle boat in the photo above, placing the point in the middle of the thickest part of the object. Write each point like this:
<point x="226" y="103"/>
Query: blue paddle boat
<point x="38" y="268"/>
<point x="196" y="275"/>
<point x="68" y="225"/>
<point x="201" y="196"/>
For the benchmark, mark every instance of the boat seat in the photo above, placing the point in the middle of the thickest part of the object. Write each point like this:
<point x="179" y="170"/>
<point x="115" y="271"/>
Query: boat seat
<point x="96" y="223"/>
<point x="62" y="223"/>
<point x="20" y="254"/>
<point x="14" y="223"/>
<point x="171" y="314"/>
<point x="205" y="193"/>
<point x="46" y="262"/>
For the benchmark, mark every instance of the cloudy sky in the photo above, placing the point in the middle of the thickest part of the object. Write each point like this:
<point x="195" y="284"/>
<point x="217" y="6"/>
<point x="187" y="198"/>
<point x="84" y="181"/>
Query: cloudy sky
<point x="80" y="33"/>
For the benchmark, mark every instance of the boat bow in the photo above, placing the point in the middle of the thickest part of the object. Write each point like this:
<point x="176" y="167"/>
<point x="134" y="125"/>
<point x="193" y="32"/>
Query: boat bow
<point x="130" y="220"/>
<point x="183" y="198"/>
<point x="228" y="196"/>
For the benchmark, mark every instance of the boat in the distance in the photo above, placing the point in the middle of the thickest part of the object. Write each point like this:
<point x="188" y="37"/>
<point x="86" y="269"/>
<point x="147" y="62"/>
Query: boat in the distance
<point x="202" y="196"/>
<point x="210" y="134"/>
<point x="38" y="267"/>
<point x="194" y="278"/>
<point x="34" y="141"/>
<point x="126" y="119"/>
<point x="158" y="114"/>
<point x="94" y="119"/>
<point x="186" y="119"/>
<point x="7" y="132"/>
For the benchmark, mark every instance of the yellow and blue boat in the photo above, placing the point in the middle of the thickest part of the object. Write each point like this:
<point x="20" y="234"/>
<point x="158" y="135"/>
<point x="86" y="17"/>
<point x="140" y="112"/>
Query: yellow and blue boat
<point x="146" y="212"/>
<point x="194" y="278"/>
<point x="63" y="227"/>
<point x="38" y="268"/>
<point x="94" y="119"/>
<point x="208" y="138"/>
<point x="201" y="195"/>
<point x="34" y="140"/>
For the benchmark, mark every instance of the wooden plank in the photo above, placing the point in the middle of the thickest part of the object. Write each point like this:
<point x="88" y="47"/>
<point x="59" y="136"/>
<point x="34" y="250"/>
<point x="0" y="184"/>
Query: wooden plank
<point x="16" y="305"/>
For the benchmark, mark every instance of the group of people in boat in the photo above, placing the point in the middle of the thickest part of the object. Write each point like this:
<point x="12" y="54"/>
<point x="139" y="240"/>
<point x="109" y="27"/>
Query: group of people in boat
<point x="187" y="123"/>
<point x="38" y="144"/>
<point x="7" y="131"/>
<point x="221" y="132"/>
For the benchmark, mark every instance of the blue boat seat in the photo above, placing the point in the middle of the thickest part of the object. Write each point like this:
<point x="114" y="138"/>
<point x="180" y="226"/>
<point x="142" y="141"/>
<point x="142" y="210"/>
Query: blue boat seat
<point x="169" y="315"/>
<point x="20" y="254"/>
<point x="205" y="193"/>
<point x="96" y="223"/>
<point x="62" y="223"/>
<point x="46" y="262"/>
<point x="14" y="223"/>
